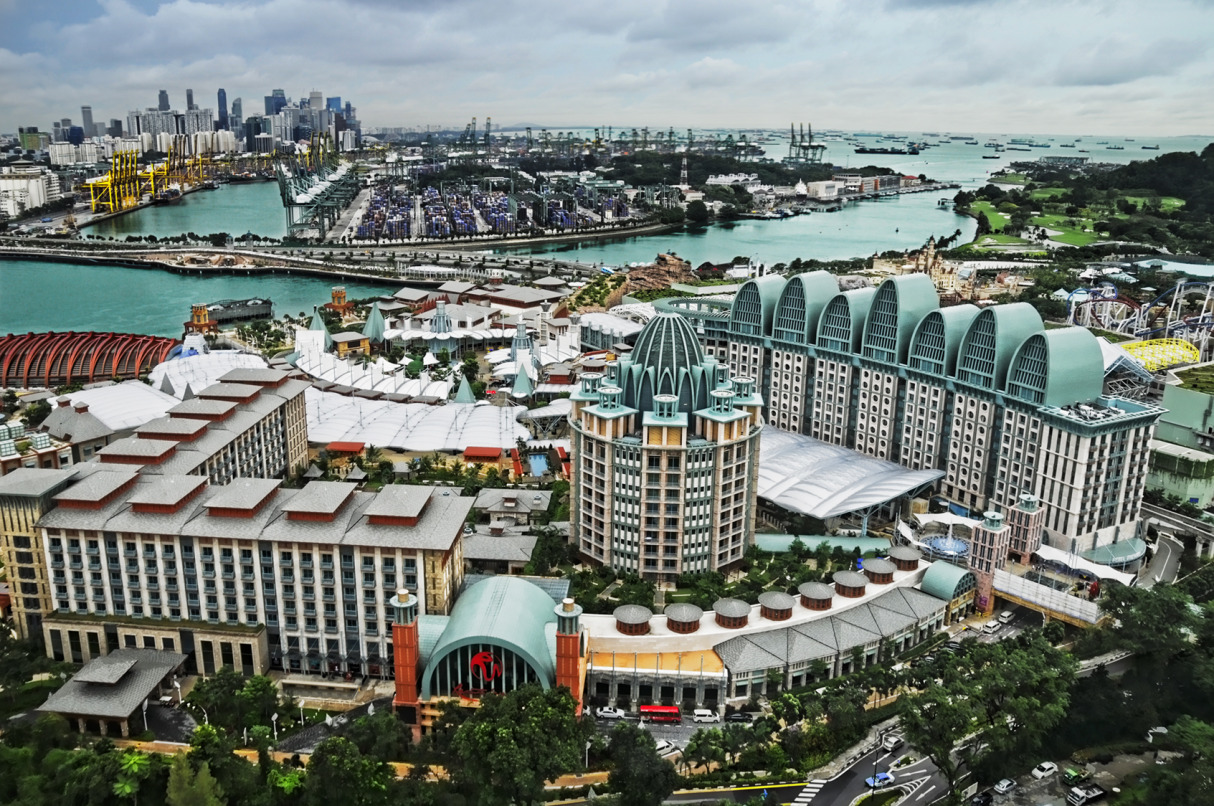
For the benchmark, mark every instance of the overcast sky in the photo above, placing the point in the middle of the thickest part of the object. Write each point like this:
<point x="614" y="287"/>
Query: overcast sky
<point x="999" y="66"/>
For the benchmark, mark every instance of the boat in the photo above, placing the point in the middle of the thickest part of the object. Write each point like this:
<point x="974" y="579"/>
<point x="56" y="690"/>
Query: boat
<point x="991" y="144"/>
<point x="1116" y="147"/>
<point x="885" y="150"/>
<point x="1151" y="148"/>
<point x="990" y="156"/>
<point x="208" y="184"/>
<point x="170" y="196"/>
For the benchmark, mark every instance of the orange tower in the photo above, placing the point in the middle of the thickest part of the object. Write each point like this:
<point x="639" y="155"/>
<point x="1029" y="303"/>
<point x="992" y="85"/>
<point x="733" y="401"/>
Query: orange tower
<point x="200" y="320"/>
<point x="406" y="656"/>
<point x="570" y="650"/>
<point x="339" y="302"/>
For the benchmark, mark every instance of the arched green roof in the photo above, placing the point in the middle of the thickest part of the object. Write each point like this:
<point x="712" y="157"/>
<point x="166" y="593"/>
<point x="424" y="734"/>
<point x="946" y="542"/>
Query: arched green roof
<point x="755" y="305"/>
<point x="933" y="345"/>
<point x="842" y="322"/>
<point x="991" y="341"/>
<point x="668" y="353"/>
<point x="947" y="581"/>
<point x="800" y="307"/>
<point x="319" y="324"/>
<point x="900" y="303"/>
<point x="500" y="611"/>
<point x="1057" y="368"/>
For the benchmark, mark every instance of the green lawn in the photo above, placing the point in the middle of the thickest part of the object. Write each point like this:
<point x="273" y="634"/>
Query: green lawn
<point x="1069" y="233"/>
<point x="1166" y="203"/>
<point x="1047" y="193"/>
<point x="1010" y="179"/>
<point x="997" y="238"/>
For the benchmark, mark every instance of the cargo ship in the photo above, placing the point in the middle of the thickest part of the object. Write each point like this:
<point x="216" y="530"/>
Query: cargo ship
<point x="170" y="196"/>
<point x="901" y="151"/>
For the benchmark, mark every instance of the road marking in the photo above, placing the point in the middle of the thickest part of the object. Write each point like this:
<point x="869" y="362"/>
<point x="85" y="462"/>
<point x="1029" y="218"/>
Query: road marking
<point x="926" y="792"/>
<point x="807" y="794"/>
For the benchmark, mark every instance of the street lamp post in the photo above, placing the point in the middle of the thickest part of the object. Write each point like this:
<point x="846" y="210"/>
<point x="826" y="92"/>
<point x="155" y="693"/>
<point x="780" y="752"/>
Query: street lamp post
<point x="177" y="685"/>
<point x="301" y="711"/>
<point x="205" y="719"/>
<point x="877" y="751"/>
<point x="274" y="719"/>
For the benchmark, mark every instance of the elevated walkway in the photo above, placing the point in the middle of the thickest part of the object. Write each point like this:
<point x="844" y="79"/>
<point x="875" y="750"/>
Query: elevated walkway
<point x="1053" y="602"/>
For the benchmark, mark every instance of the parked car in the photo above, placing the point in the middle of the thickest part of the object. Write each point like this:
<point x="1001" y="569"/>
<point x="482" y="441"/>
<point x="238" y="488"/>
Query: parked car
<point x="1044" y="770"/>
<point x="664" y="747"/>
<point x="1083" y="795"/>
<point x="892" y="741"/>
<point x="1005" y="786"/>
<point x="982" y="799"/>
<point x="607" y="712"/>
<point x="705" y="715"/>
<point x="740" y="716"/>
<point x="1074" y="777"/>
<point x="881" y="779"/>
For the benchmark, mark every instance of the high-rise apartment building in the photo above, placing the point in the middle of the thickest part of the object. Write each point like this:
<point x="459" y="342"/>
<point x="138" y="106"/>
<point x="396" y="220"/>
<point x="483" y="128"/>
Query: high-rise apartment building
<point x="665" y="455"/>
<point x="222" y="97"/>
<point x="163" y="104"/>
<point x="236" y="119"/>
<point x="86" y="121"/>
<point x="189" y="100"/>
<point x="991" y="397"/>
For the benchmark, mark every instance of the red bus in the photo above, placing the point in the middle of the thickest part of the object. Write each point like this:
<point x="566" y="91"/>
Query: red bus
<point x="661" y="713"/>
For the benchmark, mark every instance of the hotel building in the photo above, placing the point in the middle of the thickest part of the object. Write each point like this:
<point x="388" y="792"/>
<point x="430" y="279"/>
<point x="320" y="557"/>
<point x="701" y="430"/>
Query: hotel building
<point x="1001" y="404"/>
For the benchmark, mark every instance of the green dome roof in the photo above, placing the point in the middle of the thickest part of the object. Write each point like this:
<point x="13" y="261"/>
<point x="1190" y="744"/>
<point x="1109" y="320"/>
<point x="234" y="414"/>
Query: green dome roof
<point x="669" y="347"/>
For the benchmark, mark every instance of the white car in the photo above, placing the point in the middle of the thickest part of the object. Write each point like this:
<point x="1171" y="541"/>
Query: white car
<point x="664" y="747"/>
<point x="607" y="712"/>
<point x="1005" y="786"/>
<point x="1044" y="770"/>
<point x="705" y="715"/>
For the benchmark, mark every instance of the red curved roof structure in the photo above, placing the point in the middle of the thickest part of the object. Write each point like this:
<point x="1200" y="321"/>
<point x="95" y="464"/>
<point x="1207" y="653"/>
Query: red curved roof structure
<point x="58" y="359"/>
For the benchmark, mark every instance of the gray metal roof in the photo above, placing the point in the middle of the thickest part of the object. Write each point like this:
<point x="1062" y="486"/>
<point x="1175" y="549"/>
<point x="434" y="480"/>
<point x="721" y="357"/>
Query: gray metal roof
<point x="107" y="669"/>
<point x="221" y="391"/>
<point x="34" y="481"/>
<point x="905" y="553"/>
<point x="731" y="608"/>
<point x="776" y="600"/>
<point x="684" y="612"/>
<point x="880" y="566"/>
<point x="320" y="498"/>
<point x="138" y="448"/>
<point x="202" y="406"/>
<point x="167" y="490"/>
<point x="253" y="375"/>
<point x="502" y="548"/>
<point x="849" y="579"/>
<point x="172" y="426"/>
<point x="632" y="614"/>
<point x="243" y="493"/>
<point x="65" y="423"/>
<point x="400" y="501"/>
<point x="816" y="590"/>
<point x="116" y="700"/>
<point x="348" y="336"/>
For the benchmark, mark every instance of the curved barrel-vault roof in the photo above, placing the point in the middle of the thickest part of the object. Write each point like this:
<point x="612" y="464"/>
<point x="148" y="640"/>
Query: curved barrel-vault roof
<point x="934" y="344"/>
<point x="947" y="581"/>
<point x="842" y="324"/>
<point x="800" y="307"/>
<point x="1057" y="368"/>
<point x="899" y="304"/>
<point x="500" y="611"/>
<point x="755" y="305"/>
<point x="992" y="340"/>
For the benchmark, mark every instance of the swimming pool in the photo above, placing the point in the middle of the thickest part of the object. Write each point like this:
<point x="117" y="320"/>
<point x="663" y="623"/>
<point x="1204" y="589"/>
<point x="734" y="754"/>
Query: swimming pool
<point x="539" y="463"/>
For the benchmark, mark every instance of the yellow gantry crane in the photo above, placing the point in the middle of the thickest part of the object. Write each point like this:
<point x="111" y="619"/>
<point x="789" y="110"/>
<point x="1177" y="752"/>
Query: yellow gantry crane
<point x="124" y="186"/>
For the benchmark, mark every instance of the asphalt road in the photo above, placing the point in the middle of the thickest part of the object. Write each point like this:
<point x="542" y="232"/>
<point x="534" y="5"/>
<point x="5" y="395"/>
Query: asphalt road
<point x="1165" y="564"/>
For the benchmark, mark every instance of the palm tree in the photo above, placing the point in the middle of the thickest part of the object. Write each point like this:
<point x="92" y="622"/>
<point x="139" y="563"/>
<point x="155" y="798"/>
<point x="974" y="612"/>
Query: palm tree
<point x="702" y="749"/>
<point x="734" y="738"/>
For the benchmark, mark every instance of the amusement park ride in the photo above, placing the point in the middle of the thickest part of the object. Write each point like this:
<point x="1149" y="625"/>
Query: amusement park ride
<point x="1174" y="328"/>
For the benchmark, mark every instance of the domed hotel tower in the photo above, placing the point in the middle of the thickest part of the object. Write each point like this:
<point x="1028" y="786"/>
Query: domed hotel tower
<point x="665" y="458"/>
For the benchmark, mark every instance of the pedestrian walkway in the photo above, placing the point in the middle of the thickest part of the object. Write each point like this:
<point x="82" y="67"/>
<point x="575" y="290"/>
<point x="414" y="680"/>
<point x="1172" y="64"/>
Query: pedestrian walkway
<point x="809" y="792"/>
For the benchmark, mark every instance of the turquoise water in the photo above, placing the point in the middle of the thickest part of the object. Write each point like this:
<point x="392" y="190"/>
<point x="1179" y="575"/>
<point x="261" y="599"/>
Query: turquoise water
<point x="858" y="230"/>
<point x="235" y="209"/>
<point x="539" y="463"/>
<point x="36" y="296"/>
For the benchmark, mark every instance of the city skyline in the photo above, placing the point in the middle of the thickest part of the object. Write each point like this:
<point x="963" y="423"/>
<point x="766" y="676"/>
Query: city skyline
<point x="1075" y="67"/>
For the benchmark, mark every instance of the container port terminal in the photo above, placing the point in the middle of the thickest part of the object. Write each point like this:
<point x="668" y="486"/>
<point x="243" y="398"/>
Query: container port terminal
<point x="481" y="187"/>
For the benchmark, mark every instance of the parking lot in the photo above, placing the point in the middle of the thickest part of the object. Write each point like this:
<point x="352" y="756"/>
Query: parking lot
<point x="1052" y="791"/>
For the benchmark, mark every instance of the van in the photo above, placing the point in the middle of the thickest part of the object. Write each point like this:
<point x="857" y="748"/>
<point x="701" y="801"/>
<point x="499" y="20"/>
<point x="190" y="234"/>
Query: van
<point x="705" y="715"/>
<point x="1006" y="617"/>
<point x="992" y="627"/>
